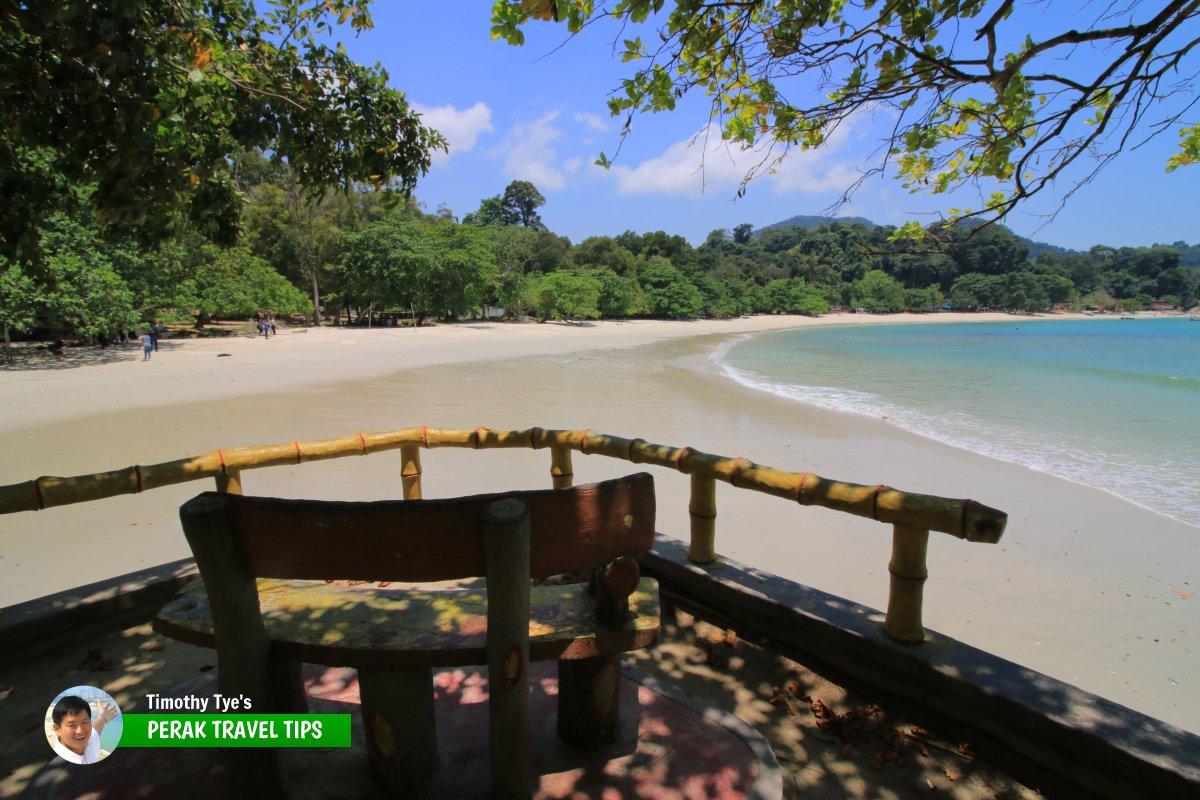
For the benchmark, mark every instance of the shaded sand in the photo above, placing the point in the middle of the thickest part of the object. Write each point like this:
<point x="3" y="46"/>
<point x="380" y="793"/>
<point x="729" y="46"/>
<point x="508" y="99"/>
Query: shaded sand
<point x="1084" y="586"/>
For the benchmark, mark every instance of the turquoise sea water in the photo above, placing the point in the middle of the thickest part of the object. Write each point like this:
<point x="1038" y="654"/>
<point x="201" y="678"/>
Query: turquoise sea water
<point x="1113" y="404"/>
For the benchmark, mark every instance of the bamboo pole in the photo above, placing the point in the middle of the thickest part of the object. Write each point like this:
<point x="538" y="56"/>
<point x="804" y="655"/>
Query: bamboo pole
<point x="703" y="509"/>
<point x="229" y="482"/>
<point x="562" y="475"/>
<point x="962" y="518"/>
<point x="906" y="593"/>
<point x="410" y="471"/>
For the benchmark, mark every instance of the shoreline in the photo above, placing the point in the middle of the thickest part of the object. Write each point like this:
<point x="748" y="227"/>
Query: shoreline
<point x="1073" y="590"/>
<point x="27" y="390"/>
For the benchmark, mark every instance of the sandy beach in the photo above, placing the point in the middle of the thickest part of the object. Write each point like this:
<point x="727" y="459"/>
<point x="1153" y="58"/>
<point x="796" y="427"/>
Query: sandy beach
<point x="1084" y="586"/>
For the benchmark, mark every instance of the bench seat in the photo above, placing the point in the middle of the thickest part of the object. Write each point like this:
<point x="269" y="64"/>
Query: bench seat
<point x="369" y="626"/>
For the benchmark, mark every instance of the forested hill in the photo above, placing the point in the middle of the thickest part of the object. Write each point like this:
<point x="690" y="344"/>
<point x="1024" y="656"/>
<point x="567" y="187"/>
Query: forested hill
<point x="811" y="221"/>
<point x="814" y="221"/>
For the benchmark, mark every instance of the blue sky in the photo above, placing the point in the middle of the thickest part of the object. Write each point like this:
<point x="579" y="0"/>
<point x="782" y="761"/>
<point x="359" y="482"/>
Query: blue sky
<point x="539" y="113"/>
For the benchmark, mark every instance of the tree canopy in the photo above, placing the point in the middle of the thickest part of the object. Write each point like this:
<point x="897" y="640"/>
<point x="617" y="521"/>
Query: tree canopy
<point x="976" y="99"/>
<point x="147" y="102"/>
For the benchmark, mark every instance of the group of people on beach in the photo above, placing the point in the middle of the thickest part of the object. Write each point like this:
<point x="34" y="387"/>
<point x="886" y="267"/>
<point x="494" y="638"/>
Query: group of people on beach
<point x="266" y="326"/>
<point x="150" y="338"/>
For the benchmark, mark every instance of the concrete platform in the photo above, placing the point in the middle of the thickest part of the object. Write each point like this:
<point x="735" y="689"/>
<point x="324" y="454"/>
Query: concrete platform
<point x="671" y="745"/>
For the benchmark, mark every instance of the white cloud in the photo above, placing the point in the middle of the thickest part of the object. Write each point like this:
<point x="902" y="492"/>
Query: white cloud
<point x="528" y="154"/>
<point x="706" y="162"/>
<point x="462" y="129"/>
<point x="592" y="121"/>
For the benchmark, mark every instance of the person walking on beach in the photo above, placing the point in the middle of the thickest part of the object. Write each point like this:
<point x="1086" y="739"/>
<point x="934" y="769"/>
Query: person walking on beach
<point x="154" y="335"/>
<point x="147" y="346"/>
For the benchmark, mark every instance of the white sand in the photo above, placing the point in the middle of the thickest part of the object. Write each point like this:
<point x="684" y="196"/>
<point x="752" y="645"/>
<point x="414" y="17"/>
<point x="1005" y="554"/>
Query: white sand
<point x="1084" y="586"/>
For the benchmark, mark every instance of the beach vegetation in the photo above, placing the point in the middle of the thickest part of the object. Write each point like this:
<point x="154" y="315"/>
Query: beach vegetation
<point x="923" y="301"/>
<point x="233" y="282"/>
<point x="878" y="292"/>
<point x="793" y="296"/>
<point x="430" y="267"/>
<point x="668" y="291"/>
<point x="992" y="98"/>
<point x="620" y="296"/>
<point x="20" y="299"/>
<point x="567" y="295"/>
<point x="149" y="103"/>
<point x="517" y="206"/>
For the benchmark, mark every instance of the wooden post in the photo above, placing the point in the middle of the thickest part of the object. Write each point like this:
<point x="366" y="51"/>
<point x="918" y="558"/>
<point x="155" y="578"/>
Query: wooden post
<point x="410" y="471"/>
<point x="230" y="482"/>
<point x="243" y="650"/>
<point x="703" y="508"/>
<point x="589" y="700"/>
<point x="589" y="689"/>
<point x="908" y="574"/>
<point x="562" y="475"/>
<point x="398" y="718"/>
<point x="506" y="553"/>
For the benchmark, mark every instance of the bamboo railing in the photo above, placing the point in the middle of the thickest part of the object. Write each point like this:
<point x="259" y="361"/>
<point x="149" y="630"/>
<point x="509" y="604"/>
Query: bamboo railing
<point x="912" y="516"/>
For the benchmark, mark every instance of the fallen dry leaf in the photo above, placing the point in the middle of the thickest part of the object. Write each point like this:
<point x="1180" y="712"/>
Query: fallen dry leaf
<point x="951" y="774"/>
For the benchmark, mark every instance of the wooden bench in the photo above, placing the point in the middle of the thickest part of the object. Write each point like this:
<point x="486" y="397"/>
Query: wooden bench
<point x="267" y="605"/>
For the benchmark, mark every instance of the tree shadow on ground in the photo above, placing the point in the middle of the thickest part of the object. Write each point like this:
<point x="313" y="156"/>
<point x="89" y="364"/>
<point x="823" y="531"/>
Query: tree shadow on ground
<point x="832" y="738"/>
<point x="40" y="357"/>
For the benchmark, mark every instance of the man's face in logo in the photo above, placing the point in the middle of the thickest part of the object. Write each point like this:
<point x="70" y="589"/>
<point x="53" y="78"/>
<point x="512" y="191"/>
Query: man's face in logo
<point x="74" y="731"/>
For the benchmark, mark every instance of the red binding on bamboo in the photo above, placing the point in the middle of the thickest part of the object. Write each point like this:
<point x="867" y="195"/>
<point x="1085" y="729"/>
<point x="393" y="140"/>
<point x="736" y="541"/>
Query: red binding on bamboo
<point x="800" y="488"/>
<point x="298" y="453"/>
<point x="363" y="440"/>
<point x="679" y="454"/>
<point x="425" y="436"/>
<point x="221" y="458"/>
<point x="733" y="471"/>
<point x="875" y="502"/>
<point x="583" y="440"/>
<point x="477" y="430"/>
<point x="137" y="474"/>
<point x="37" y="494"/>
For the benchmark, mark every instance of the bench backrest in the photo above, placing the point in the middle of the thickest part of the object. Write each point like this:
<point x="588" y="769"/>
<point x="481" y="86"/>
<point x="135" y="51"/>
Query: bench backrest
<point x="507" y="538"/>
<point x="425" y="540"/>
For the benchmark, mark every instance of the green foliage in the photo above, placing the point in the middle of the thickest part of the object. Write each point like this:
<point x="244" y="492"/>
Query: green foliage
<point x="20" y="298"/>
<point x="668" y="291"/>
<point x="878" y="292"/>
<point x="512" y="252"/>
<point x="150" y="101"/>
<point x="567" y="295"/>
<point x="998" y="109"/>
<point x="517" y="206"/>
<point x="433" y="268"/>
<point x="923" y="300"/>
<point x="619" y="296"/>
<point x="235" y="283"/>
<point x="793" y="296"/>
<point x="974" y="291"/>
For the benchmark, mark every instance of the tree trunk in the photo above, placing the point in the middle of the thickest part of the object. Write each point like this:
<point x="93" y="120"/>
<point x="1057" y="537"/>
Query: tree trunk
<point x="7" y="346"/>
<point x="316" y="293"/>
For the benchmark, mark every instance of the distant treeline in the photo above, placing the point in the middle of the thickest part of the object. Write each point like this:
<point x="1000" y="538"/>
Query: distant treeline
<point x="354" y="259"/>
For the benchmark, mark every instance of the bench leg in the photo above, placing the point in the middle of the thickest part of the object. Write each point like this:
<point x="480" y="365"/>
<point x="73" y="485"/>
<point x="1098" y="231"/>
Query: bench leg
<point x="589" y="700"/>
<point x="287" y="684"/>
<point x="397" y="710"/>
